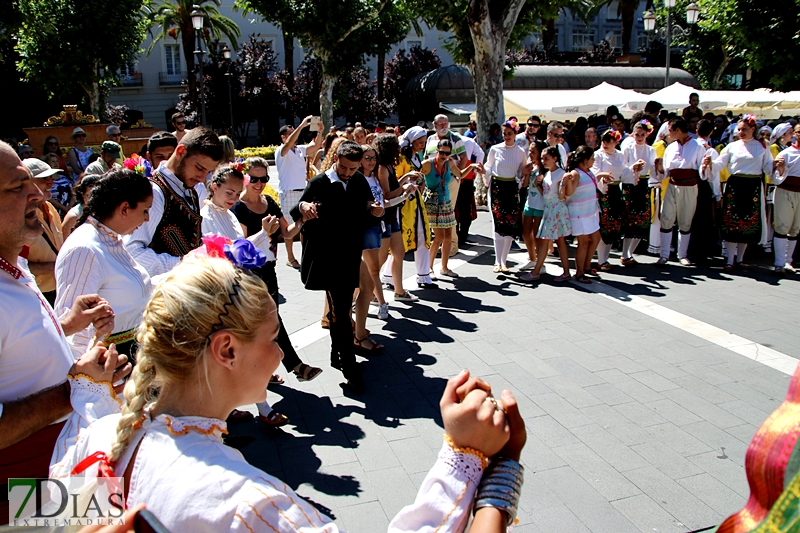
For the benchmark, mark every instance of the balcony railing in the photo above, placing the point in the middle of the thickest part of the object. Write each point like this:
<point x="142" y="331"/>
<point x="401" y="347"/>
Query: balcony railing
<point x="131" y="79"/>
<point x="165" y="78"/>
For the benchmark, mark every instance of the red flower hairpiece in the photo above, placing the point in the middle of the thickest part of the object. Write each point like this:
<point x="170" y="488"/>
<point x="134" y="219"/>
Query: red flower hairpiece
<point x="750" y="119"/>
<point x="617" y="135"/>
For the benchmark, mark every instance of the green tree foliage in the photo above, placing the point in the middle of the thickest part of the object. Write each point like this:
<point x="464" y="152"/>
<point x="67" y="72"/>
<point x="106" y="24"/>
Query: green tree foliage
<point x="736" y="35"/>
<point x="359" y="27"/>
<point x="399" y="70"/>
<point x="173" y="19"/>
<point x="64" y="44"/>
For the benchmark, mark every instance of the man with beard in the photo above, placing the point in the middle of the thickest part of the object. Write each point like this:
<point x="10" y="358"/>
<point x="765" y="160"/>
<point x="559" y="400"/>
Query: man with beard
<point x="175" y="225"/>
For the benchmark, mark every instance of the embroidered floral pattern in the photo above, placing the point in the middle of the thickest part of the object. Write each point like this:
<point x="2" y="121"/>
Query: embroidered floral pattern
<point x="636" y="216"/>
<point x="611" y="207"/>
<point x="741" y="210"/>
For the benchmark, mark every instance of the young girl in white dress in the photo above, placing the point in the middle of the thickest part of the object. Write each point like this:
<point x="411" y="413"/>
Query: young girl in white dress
<point x="207" y="344"/>
<point x="555" y="219"/>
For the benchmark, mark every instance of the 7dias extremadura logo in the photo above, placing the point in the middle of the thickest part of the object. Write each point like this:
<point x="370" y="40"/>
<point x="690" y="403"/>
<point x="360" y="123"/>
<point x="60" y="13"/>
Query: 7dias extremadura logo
<point x="71" y="501"/>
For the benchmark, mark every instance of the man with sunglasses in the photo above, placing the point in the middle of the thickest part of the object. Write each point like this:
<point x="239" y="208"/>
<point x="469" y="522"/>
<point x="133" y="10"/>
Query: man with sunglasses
<point x="179" y="123"/>
<point x="114" y="135"/>
<point x="525" y="138"/>
<point x="555" y="137"/>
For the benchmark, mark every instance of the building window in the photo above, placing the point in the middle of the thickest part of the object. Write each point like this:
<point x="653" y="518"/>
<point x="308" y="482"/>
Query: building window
<point x="582" y="40"/>
<point x="173" y="59"/>
<point x="642" y="42"/>
<point x="615" y="39"/>
<point x="411" y="43"/>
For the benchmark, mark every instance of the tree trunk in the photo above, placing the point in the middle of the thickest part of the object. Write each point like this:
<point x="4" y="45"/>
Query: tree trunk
<point x="187" y="41"/>
<point x="326" y="99"/>
<point x="95" y="100"/>
<point x="288" y="66"/>
<point x="489" y="40"/>
<point x="726" y="60"/>
<point x="549" y="34"/>
<point x="628" y="12"/>
<point x="380" y="73"/>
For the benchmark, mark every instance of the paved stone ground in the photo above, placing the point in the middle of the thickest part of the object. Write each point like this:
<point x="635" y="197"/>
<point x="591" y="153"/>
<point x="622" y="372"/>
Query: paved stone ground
<point x="633" y="424"/>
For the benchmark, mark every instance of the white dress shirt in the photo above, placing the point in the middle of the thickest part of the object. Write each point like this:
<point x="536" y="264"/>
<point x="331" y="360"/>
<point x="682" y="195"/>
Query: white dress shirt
<point x="220" y="221"/>
<point x="473" y="149"/>
<point x="34" y="354"/>
<point x="193" y="482"/>
<point x="745" y="157"/>
<point x="686" y="156"/>
<point x="93" y="260"/>
<point x="138" y="243"/>
<point x="711" y="175"/>
<point x="791" y="156"/>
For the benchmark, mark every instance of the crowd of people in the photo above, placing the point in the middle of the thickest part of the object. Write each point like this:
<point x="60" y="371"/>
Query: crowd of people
<point x="156" y="298"/>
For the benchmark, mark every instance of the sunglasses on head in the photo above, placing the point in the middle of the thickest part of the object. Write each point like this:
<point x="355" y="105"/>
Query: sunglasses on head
<point x="259" y="179"/>
<point x="444" y="153"/>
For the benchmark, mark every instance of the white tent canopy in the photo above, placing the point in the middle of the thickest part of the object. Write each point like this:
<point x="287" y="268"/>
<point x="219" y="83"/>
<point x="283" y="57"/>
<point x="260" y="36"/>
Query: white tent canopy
<point x="762" y="102"/>
<point x="676" y="96"/>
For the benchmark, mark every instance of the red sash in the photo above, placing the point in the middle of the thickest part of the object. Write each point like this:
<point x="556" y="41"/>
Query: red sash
<point x="683" y="177"/>
<point x="29" y="458"/>
<point x="791" y="183"/>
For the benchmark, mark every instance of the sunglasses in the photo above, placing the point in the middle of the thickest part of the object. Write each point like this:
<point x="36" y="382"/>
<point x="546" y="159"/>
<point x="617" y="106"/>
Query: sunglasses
<point x="115" y="135"/>
<point x="181" y="123"/>
<point x="259" y="179"/>
<point x="533" y="125"/>
<point x="80" y="135"/>
<point x="370" y="157"/>
<point x="54" y="143"/>
<point x="444" y="153"/>
<point x="559" y="135"/>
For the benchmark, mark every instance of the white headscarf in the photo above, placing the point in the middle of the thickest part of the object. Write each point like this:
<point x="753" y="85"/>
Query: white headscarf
<point x="765" y="128"/>
<point x="662" y="131"/>
<point x="779" y="131"/>
<point x="412" y="134"/>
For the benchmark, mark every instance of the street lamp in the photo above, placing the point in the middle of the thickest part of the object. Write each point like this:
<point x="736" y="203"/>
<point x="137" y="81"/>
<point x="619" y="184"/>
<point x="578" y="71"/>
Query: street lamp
<point x="226" y="53"/>
<point x="198" y="18"/>
<point x="649" y="20"/>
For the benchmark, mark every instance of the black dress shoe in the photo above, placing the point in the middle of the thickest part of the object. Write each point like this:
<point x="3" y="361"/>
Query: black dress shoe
<point x="427" y="286"/>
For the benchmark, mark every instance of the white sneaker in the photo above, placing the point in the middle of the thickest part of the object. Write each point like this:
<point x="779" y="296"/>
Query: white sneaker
<point x="383" y="311"/>
<point x="530" y="265"/>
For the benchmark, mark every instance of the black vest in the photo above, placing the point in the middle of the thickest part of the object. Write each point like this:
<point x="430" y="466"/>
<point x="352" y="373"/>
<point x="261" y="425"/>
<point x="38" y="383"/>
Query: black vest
<point x="181" y="227"/>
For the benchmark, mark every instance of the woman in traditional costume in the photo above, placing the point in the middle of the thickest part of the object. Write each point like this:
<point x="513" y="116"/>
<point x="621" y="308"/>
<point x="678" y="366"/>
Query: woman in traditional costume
<point x="743" y="204"/>
<point x="208" y="344"/>
<point x="636" y="196"/>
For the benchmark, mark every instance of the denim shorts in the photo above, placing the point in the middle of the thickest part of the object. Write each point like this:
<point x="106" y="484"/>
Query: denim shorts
<point x="394" y="227"/>
<point x="372" y="238"/>
<point x="530" y="212"/>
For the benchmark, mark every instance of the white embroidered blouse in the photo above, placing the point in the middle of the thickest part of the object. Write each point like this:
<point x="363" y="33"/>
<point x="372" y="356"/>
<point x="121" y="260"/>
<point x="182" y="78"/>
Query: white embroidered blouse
<point x="93" y="260"/>
<point x="193" y="482"/>
<point x="223" y="222"/>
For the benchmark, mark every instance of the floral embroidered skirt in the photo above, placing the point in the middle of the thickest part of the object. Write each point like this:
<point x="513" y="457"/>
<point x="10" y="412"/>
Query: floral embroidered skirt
<point x="741" y="210"/>
<point x="636" y="214"/>
<point x="506" y="208"/>
<point x="440" y="213"/>
<point x="611" y="210"/>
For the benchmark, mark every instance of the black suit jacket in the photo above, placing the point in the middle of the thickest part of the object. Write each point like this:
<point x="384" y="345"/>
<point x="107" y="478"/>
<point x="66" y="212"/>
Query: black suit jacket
<point x="332" y="243"/>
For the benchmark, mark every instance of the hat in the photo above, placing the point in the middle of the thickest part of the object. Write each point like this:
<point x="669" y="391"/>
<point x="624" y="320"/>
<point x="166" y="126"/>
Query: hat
<point x="77" y="130"/>
<point x="779" y="131"/>
<point x="111" y="148"/>
<point x="412" y="134"/>
<point x="39" y="168"/>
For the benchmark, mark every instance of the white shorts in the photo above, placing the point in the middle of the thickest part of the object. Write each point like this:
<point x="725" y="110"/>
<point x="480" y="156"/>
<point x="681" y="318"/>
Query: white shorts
<point x="584" y="225"/>
<point x="289" y="199"/>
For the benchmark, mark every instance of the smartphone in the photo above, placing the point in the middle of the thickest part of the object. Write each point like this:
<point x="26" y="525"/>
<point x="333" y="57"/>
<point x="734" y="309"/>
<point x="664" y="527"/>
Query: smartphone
<point x="146" y="522"/>
<point x="315" y="123"/>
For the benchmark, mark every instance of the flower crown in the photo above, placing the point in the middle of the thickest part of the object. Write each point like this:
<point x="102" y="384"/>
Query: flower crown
<point x="139" y="165"/>
<point x="646" y="123"/>
<point x="240" y="164"/>
<point x="750" y="119"/>
<point x="512" y="123"/>
<point x="614" y="134"/>
<point x="241" y="252"/>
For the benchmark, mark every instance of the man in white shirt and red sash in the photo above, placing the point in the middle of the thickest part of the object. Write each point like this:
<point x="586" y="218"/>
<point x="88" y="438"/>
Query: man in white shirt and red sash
<point x="34" y="356"/>
<point x="682" y="161"/>
<point x="176" y="226"/>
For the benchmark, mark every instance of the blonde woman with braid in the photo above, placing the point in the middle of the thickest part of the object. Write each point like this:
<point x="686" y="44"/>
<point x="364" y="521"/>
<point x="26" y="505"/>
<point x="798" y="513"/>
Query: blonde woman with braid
<point x="207" y="344"/>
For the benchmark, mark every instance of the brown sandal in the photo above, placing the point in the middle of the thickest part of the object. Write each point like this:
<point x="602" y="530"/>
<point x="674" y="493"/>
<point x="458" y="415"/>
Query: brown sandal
<point x="358" y="344"/>
<point x="274" y="419"/>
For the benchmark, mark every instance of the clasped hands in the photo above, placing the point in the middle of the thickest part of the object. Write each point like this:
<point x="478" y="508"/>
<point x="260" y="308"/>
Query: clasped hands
<point x="473" y="418"/>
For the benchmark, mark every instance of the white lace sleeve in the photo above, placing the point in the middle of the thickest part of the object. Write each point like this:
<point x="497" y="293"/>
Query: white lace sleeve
<point x="444" y="500"/>
<point x="90" y="401"/>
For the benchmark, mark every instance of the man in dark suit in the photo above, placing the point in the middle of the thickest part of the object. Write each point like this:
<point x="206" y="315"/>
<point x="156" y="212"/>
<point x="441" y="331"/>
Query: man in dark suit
<point x="335" y="208"/>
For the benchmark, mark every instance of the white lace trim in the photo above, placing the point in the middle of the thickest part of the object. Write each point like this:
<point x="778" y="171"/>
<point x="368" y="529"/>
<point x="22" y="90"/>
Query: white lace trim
<point x="202" y="425"/>
<point x="102" y="390"/>
<point x="465" y="463"/>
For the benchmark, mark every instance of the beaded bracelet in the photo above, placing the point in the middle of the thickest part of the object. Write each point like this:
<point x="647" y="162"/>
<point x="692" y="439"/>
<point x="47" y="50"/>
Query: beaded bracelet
<point x="500" y="487"/>
<point x="468" y="451"/>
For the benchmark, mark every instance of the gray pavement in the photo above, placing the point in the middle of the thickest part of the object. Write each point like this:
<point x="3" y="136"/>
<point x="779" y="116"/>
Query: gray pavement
<point x="633" y="424"/>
